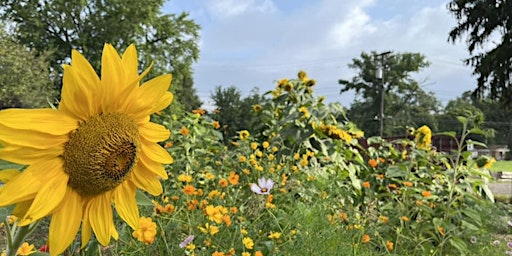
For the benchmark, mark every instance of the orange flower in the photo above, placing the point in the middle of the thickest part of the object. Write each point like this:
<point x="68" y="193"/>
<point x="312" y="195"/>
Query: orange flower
<point x="426" y="193"/>
<point x="380" y="176"/>
<point x="390" y="245"/>
<point x="392" y="186"/>
<point x="440" y="230"/>
<point x="365" y="239"/>
<point x="373" y="163"/>
<point x="169" y="144"/>
<point x="258" y="253"/>
<point x="383" y="219"/>
<point x="407" y="183"/>
<point x="381" y="159"/>
<point x="192" y="205"/>
<point x="366" y="184"/>
<point x="223" y="183"/>
<point x="189" y="190"/>
<point x="216" y="253"/>
<point x="199" y="111"/>
<point x="233" y="178"/>
<point x="184" y="131"/>
<point x="216" y="124"/>
<point x="405" y="218"/>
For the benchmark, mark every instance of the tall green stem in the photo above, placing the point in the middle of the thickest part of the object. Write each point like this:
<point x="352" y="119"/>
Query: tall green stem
<point x="19" y="236"/>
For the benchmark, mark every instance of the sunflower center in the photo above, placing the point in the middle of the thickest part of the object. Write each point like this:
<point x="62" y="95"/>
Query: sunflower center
<point x="101" y="153"/>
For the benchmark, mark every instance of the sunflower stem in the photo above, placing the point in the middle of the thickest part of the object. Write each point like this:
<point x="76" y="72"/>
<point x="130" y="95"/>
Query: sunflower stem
<point x="21" y="233"/>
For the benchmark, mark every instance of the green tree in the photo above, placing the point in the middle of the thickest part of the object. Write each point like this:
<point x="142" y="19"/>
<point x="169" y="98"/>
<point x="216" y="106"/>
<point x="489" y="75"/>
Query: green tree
<point x="479" y="22"/>
<point x="233" y="112"/>
<point x="24" y="78"/>
<point x="58" y="26"/>
<point x="405" y="103"/>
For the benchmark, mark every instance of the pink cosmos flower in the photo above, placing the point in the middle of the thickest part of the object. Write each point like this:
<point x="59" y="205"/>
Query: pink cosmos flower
<point x="187" y="241"/>
<point x="263" y="187"/>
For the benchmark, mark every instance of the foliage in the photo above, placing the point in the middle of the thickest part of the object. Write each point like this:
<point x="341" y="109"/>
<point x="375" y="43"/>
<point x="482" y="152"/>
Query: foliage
<point x="479" y="22"/>
<point x="334" y="192"/>
<point x="235" y="113"/>
<point x="405" y="103"/>
<point x="57" y="27"/>
<point x="24" y="78"/>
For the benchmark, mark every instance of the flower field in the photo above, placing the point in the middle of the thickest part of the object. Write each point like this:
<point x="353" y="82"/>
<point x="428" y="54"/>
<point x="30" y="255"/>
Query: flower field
<point x="305" y="181"/>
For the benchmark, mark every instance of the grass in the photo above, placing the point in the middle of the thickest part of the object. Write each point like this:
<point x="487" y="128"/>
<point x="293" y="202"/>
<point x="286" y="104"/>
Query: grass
<point x="502" y="166"/>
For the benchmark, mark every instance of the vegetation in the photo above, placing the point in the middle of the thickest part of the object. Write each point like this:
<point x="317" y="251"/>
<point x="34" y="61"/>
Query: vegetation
<point x="394" y="198"/>
<point x="478" y="23"/>
<point x="57" y="27"/>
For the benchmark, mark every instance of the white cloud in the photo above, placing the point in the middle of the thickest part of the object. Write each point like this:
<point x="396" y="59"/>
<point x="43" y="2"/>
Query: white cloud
<point x="230" y="8"/>
<point x="355" y="25"/>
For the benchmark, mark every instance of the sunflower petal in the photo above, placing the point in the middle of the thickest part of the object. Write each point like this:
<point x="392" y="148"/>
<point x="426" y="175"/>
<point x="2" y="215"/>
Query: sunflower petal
<point x="65" y="222"/>
<point x="146" y="180"/>
<point x="77" y="96"/>
<point x="46" y="200"/>
<point x="152" y="166"/>
<point x="86" y="229"/>
<point x="126" y="204"/>
<point x="150" y="92"/>
<point x="112" y="76"/>
<point x="45" y="120"/>
<point x="8" y="174"/>
<point x="156" y="153"/>
<point x="26" y="185"/>
<point x="100" y="217"/>
<point x="28" y="138"/>
<point x="26" y="155"/>
<point x="161" y="103"/>
<point x="21" y="208"/>
<point x="85" y="70"/>
<point x="154" y="132"/>
<point x="130" y="63"/>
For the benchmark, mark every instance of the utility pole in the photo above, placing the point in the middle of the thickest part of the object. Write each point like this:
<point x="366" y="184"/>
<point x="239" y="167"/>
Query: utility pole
<point x="380" y="75"/>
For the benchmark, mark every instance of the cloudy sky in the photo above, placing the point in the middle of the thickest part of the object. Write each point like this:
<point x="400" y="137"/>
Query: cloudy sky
<point x="253" y="43"/>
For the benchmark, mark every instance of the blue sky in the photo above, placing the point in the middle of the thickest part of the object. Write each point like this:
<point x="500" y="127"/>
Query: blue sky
<point x="253" y="43"/>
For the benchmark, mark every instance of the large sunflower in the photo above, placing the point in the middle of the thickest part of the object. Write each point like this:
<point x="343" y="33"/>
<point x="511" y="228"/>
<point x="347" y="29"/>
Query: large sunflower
<point x="95" y="150"/>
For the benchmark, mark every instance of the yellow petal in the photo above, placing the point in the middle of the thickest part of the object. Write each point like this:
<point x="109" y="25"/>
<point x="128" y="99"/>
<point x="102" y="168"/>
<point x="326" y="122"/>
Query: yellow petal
<point x="148" y="94"/>
<point x="130" y="63"/>
<point x="154" y="132"/>
<point x="156" y="153"/>
<point x="100" y="217"/>
<point x="112" y="76"/>
<point x="152" y="166"/>
<point x="85" y="71"/>
<point x="27" y="156"/>
<point x="8" y="174"/>
<point x="28" y="138"/>
<point x="65" y="222"/>
<point x="161" y="103"/>
<point x="86" y="228"/>
<point x="21" y="208"/>
<point x="78" y="98"/>
<point x="47" y="199"/>
<point x="126" y="204"/>
<point x="146" y="180"/>
<point x="25" y="185"/>
<point x="45" y="120"/>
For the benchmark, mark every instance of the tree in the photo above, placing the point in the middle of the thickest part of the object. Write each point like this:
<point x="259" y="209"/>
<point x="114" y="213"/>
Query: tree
<point x="58" y="26"/>
<point x="405" y="103"/>
<point x="24" y="78"/>
<point x="233" y="112"/>
<point x="483" y="21"/>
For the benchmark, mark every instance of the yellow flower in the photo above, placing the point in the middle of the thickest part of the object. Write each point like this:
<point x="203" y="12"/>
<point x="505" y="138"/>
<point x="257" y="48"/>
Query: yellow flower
<point x="302" y="76"/>
<point x="146" y="232"/>
<point x="304" y="111"/>
<point x="274" y="235"/>
<point x="185" y="178"/>
<point x="209" y="229"/>
<point x="440" y="230"/>
<point x="91" y="153"/>
<point x="244" y="135"/>
<point x="265" y="144"/>
<point x="246" y="254"/>
<point x="254" y="145"/>
<point x="256" y="107"/>
<point x="248" y="242"/>
<point x="423" y="138"/>
<point x="26" y="249"/>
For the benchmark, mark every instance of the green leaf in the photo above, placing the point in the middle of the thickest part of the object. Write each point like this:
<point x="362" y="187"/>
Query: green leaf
<point x="459" y="244"/>
<point x="396" y="171"/>
<point x="8" y="165"/>
<point x="451" y="134"/>
<point x="142" y="199"/>
<point x="462" y="120"/>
